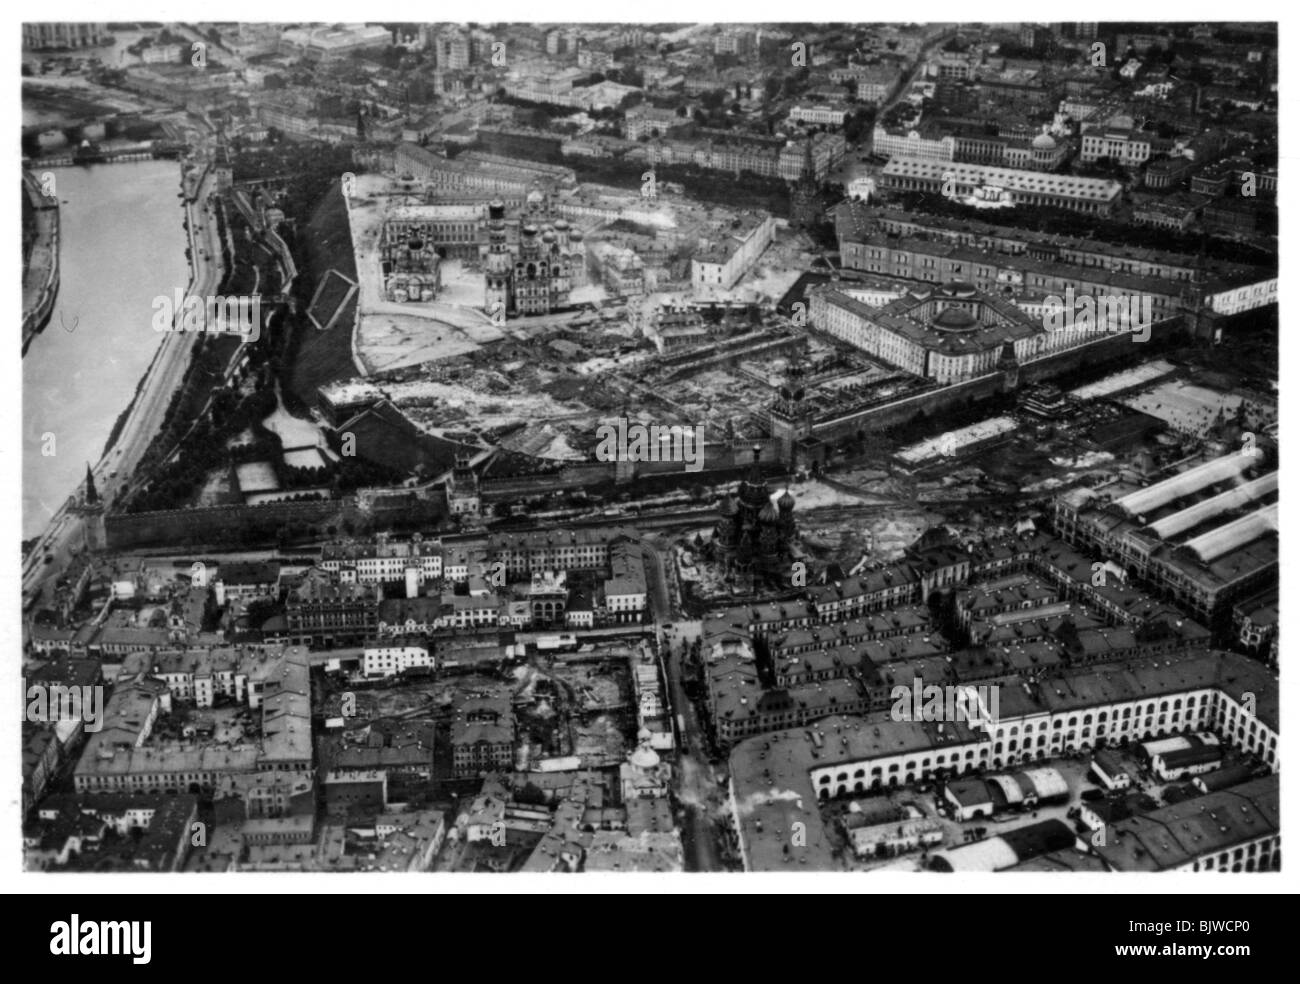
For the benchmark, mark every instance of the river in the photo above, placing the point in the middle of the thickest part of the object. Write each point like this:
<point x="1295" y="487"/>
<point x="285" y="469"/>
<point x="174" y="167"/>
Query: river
<point x="123" y="244"/>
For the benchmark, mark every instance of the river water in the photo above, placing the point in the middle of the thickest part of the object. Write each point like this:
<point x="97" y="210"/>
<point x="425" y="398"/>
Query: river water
<point x="123" y="244"/>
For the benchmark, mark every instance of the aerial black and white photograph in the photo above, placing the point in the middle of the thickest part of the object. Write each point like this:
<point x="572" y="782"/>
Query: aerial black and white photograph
<point x="723" y="449"/>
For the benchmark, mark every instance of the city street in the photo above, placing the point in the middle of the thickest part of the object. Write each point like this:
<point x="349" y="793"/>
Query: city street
<point x="696" y="788"/>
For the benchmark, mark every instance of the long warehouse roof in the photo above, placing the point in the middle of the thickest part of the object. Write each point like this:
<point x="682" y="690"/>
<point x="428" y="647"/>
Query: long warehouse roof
<point x="1236" y="534"/>
<point x="1192" y="516"/>
<point x="1185" y="483"/>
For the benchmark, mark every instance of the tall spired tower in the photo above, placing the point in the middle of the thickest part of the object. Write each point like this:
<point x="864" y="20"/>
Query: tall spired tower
<point x="805" y="208"/>
<point x="789" y="416"/>
<point x="89" y="508"/>
<point x="496" y="294"/>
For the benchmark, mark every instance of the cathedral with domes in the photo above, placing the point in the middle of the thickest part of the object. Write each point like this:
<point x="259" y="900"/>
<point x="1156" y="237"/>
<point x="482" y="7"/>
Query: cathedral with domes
<point x="531" y="272"/>
<point x="755" y="527"/>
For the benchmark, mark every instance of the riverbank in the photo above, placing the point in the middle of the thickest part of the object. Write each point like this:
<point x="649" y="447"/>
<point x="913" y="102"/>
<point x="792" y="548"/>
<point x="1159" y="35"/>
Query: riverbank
<point x="146" y="414"/>
<point x="135" y="428"/>
<point x="41" y="272"/>
<point x="125" y="415"/>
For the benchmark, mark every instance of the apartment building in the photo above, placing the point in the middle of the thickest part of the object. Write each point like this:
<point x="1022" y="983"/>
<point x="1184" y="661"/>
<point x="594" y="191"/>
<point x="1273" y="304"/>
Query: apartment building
<point x="1058" y="713"/>
<point x="625" y="589"/>
<point x="819" y="114"/>
<point x="919" y="173"/>
<point x="482" y="736"/>
<point x="327" y="615"/>
<point x="1124" y="145"/>
<point x="237" y="584"/>
<point x="125" y="757"/>
<point x="912" y="143"/>
<point x="395" y="655"/>
<point x="728" y="259"/>
<point x="1234" y="829"/>
<point x="383" y="559"/>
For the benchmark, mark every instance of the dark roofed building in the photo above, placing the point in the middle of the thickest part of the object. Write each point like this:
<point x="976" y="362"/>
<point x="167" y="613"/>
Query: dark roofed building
<point x="240" y="583"/>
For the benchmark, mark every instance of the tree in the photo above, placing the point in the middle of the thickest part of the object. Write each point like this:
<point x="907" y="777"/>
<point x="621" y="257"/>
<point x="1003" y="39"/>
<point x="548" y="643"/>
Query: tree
<point x="260" y="611"/>
<point x="713" y="99"/>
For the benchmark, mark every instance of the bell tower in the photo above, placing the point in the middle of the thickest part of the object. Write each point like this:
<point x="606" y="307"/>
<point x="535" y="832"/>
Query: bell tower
<point x="496" y="292"/>
<point x="805" y="209"/>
